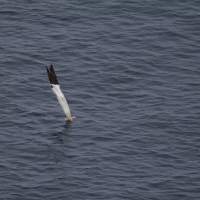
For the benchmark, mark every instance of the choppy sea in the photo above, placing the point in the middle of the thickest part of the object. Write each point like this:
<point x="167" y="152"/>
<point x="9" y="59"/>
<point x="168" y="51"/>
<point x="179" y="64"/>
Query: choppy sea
<point x="130" y="71"/>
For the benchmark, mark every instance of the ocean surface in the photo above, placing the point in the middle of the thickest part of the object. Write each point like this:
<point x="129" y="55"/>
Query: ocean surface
<point x="130" y="71"/>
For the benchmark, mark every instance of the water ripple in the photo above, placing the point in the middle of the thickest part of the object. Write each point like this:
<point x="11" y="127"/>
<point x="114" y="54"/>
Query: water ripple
<point x="130" y="73"/>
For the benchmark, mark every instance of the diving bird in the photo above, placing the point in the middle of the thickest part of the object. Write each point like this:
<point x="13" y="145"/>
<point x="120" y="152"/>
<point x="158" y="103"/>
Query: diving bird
<point x="56" y="89"/>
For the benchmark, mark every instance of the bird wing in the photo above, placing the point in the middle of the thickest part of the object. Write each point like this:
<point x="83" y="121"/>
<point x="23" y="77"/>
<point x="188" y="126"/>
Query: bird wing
<point x="52" y="75"/>
<point x="57" y="91"/>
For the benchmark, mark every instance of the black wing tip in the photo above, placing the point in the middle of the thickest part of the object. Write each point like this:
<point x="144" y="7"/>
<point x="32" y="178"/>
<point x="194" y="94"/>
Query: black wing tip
<point x="52" y="75"/>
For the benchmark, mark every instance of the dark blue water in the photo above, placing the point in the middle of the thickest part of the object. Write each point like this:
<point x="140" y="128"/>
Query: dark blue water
<point x="130" y="71"/>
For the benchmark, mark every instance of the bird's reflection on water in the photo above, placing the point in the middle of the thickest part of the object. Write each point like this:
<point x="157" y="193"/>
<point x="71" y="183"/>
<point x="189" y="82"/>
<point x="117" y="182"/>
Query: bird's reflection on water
<point x="67" y="124"/>
<point x="59" y="143"/>
<point x="65" y="130"/>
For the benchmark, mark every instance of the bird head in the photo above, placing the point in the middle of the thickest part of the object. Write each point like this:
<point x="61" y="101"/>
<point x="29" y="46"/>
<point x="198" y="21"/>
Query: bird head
<point x="69" y="117"/>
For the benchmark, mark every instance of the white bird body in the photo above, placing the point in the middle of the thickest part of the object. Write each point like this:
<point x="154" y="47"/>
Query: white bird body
<point x="57" y="91"/>
<point x="61" y="99"/>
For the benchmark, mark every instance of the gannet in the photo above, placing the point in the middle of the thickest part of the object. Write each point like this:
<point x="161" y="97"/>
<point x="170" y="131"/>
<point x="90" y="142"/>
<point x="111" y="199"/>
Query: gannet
<point x="57" y="91"/>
